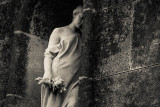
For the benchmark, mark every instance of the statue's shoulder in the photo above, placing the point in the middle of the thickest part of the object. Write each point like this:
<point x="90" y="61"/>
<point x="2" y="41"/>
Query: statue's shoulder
<point x="59" y="29"/>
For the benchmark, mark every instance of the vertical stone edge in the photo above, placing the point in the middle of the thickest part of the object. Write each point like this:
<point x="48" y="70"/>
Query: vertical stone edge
<point x="86" y="95"/>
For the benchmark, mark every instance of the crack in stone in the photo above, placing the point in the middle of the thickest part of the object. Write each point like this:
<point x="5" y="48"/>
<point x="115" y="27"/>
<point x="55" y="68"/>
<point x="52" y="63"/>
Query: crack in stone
<point x="100" y="78"/>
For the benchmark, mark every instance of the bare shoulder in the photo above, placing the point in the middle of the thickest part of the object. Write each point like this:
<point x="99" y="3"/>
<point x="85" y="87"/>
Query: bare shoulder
<point x="56" y="33"/>
<point x="58" y="30"/>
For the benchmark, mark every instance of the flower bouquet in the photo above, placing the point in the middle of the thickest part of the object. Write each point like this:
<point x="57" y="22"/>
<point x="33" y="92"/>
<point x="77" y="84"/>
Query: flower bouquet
<point x="56" y="84"/>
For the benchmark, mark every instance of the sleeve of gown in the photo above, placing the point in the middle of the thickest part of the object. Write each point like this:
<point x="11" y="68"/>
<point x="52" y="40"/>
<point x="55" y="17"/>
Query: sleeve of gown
<point x="49" y="55"/>
<point x="52" y="50"/>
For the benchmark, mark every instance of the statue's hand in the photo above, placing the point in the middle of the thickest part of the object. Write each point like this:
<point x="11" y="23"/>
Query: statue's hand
<point x="45" y="81"/>
<point x="47" y="75"/>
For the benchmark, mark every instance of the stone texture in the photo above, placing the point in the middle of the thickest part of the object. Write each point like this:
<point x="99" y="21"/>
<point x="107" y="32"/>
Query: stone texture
<point x="138" y="88"/>
<point x="6" y="34"/>
<point x="88" y="60"/>
<point x="146" y="33"/>
<point x="86" y="96"/>
<point x="16" y="83"/>
<point x="18" y="65"/>
<point x="125" y="66"/>
<point x="113" y="34"/>
<point x="107" y="46"/>
<point x="35" y="68"/>
<point x="110" y="35"/>
<point x="101" y="92"/>
<point x="24" y="14"/>
<point x="27" y="64"/>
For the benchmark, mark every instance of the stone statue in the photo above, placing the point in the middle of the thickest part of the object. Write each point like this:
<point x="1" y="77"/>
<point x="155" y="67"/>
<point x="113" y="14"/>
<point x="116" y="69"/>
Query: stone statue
<point x="62" y="60"/>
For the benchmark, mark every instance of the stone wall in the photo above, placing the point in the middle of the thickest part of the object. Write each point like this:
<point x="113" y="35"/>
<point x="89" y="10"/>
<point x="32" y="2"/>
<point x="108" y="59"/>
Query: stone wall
<point x="121" y="54"/>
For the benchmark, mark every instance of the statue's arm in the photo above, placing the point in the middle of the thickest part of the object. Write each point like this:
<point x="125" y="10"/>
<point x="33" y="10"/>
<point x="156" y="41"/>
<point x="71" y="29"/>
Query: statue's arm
<point x="49" y="55"/>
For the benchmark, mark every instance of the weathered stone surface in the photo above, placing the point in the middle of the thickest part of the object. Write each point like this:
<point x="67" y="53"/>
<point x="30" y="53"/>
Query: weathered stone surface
<point x="115" y="83"/>
<point x="88" y="60"/>
<point x="146" y="33"/>
<point x="35" y="68"/>
<point x="6" y="34"/>
<point x="107" y="45"/>
<point x="6" y="17"/>
<point x="3" y="89"/>
<point x="88" y="63"/>
<point x="27" y="64"/>
<point x="16" y="83"/>
<point x="139" y="88"/>
<point x="114" y="37"/>
<point x="24" y="15"/>
<point x="101" y="92"/>
<point x="18" y="65"/>
<point x="86" y="96"/>
<point x="111" y="33"/>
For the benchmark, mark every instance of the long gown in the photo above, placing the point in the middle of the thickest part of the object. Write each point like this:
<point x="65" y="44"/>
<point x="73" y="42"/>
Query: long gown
<point x="66" y="65"/>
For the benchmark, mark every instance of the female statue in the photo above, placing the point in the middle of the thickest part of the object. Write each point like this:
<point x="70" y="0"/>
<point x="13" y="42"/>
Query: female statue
<point x="62" y="59"/>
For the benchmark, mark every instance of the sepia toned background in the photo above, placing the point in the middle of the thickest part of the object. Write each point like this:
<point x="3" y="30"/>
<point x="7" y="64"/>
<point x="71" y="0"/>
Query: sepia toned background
<point x="120" y="57"/>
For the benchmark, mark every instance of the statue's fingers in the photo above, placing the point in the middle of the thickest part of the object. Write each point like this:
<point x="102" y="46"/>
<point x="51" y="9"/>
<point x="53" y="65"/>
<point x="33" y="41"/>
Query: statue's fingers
<point x="36" y="79"/>
<point x="40" y="82"/>
<point x="39" y="78"/>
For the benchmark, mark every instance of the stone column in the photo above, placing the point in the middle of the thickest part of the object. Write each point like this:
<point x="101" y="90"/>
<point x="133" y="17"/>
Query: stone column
<point x="89" y="53"/>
